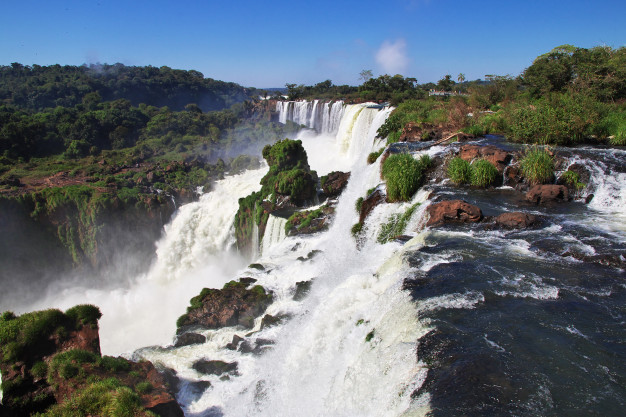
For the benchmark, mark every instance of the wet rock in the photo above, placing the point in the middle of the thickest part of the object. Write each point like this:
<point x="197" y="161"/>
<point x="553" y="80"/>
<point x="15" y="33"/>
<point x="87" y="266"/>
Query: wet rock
<point x="589" y="198"/>
<point x="247" y="280"/>
<point x="233" y="305"/>
<point x="372" y="200"/>
<point x="214" y="367"/>
<point x="498" y="157"/>
<point x="234" y="343"/>
<point x="547" y="193"/>
<point x="187" y="339"/>
<point x="257" y="266"/>
<point x="516" y="220"/>
<point x="260" y="345"/>
<point x="199" y="387"/>
<point x="309" y="255"/>
<point x="269" y="320"/>
<point x="302" y="289"/>
<point x="334" y="183"/>
<point x="453" y="211"/>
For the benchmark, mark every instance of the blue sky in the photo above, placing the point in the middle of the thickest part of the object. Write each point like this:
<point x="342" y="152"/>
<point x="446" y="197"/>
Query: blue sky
<point x="270" y="43"/>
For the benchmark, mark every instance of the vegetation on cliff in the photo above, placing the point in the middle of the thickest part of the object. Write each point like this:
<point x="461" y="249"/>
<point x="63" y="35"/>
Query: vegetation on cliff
<point x="51" y="364"/>
<point x="404" y="175"/>
<point x="288" y="183"/>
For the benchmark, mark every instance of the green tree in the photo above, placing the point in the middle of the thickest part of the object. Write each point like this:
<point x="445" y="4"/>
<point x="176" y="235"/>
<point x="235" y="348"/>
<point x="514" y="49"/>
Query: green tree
<point x="365" y="75"/>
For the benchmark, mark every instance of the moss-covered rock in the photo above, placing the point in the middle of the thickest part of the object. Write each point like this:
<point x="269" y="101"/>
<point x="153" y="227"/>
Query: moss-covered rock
<point x="233" y="305"/>
<point x="289" y="183"/>
<point x="51" y="364"/>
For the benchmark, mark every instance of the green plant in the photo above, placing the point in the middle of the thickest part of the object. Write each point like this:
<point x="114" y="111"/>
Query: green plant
<point x="396" y="224"/>
<point x="404" y="175"/>
<point x="373" y="156"/>
<point x="143" y="387"/>
<point x="356" y="229"/>
<point x="369" y="336"/>
<point x="358" y="204"/>
<point x="112" y="364"/>
<point x="572" y="180"/>
<point x="39" y="369"/>
<point x="483" y="173"/>
<point x="84" y="314"/>
<point x="537" y="165"/>
<point x="459" y="171"/>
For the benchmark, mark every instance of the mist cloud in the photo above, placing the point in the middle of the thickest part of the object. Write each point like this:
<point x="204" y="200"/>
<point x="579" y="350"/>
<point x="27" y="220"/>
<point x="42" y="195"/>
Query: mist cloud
<point x="392" y="57"/>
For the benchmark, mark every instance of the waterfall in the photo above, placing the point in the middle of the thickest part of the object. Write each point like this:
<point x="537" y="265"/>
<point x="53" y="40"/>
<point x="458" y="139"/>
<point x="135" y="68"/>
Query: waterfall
<point x="323" y="117"/>
<point x="193" y="253"/>
<point x="349" y="347"/>
<point x="274" y="232"/>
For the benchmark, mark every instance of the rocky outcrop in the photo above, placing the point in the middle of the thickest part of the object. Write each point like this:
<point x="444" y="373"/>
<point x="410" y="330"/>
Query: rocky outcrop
<point x="498" y="157"/>
<point x="516" y="220"/>
<point x="372" y="200"/>
<point x="50" y="358"/>
<point x="233" y="305"/>
<point x="334" y="183"/>
<point x="188" y="339"/>
<point x="206" y="367"/>
<point x="453" y="211"/>
<point x="547" y="194"/>
<point x="310" y="221"/>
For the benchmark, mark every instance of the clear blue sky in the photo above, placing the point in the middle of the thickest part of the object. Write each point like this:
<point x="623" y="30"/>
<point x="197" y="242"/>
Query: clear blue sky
<point x="270" y="43"/>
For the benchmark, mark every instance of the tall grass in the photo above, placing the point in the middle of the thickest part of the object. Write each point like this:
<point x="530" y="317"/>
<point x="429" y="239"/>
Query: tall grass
<point x="483" y="173"/>
<point x="404" y="175"/>
<point x="537" y="166"/>
<point x="459" y="171"/>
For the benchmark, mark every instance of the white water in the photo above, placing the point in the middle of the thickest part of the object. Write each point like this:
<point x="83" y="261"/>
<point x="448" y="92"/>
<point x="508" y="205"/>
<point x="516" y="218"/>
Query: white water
<point x="192" y="254"/>
<point x="321" y="363"/>
<point x="274" y="232"/>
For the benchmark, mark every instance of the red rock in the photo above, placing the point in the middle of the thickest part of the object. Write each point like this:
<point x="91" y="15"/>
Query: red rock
<point x="370" y="203"/>
<point x="231" y="306"/>
<point x="453" y="211"/>
<point x="547" y="193"/>
<point x="516" y="220"/>
<point x="498" y="157"/>
<point x="335" y="182"/>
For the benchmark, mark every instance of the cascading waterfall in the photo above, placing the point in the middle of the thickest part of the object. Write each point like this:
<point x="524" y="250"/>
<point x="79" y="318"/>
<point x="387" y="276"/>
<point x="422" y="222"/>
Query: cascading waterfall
<point x="274" y="232"/>
<point x="349" y="347"/>
<point x="193" y="253"/>
<point x="323" y="117"/>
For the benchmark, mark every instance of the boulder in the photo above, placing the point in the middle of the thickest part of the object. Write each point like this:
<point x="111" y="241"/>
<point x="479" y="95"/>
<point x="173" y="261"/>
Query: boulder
<point x="547" y="193"/>
<point x="372" y="200"/>
<point x="215" y="367"/>
<point x="234" y="305"/>
<point x="334" y="183"/>
<point x="453" y="211"/>
<point x="187" y="339"/>
<point x="498" y="157"/>
<point x="516" y="220"/>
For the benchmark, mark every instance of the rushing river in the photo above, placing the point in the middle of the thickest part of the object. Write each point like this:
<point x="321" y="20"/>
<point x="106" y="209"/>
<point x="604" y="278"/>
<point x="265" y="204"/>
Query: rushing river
<point x="458" y="320"/>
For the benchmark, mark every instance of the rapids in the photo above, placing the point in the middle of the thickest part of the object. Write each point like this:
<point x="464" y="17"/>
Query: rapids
<point x="464" y="320"/>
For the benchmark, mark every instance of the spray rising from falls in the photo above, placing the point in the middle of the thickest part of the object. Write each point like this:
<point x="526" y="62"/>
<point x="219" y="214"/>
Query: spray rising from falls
<point x="348" y="348"/>
<point x="193" y="253"/>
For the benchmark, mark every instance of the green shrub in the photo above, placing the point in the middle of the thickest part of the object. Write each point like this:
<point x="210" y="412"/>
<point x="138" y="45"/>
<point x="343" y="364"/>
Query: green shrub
<point x="84" y="314"/>
<point x="356" y="229"/>
<point x="358" y="204"/>
<point x="484" y="173"/>
<point x="112" y="364"/>
<point x="459" y="171"/>
<point x="537" y="165"/>
<point x="39" y="369"/>
<point x="404" y="176"/>
<point x="396" y="224"/>
<point x="143" y="387"/>
<point x="572" y="180"/>
<point x="373" y="156"/>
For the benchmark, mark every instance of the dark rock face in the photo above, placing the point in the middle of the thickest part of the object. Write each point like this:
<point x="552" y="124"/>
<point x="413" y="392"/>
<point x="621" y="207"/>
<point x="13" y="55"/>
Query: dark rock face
<point x="498" y="157"/>
<point x="547" y="193"/>
<point x="269" y="320"/>
<point x="453" y="211"/>
<point x="302" y="289"/>
<point x="215" y="367"/>
<point x="516" y="220"/>
<point x="187" y="339"/>
<point x="234" y="305"/>
<point x="372" y="200"/>
<point x="334" y="183"/>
